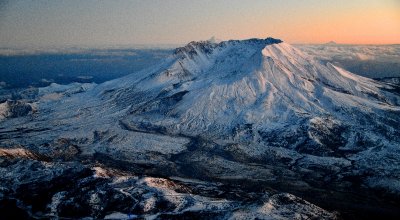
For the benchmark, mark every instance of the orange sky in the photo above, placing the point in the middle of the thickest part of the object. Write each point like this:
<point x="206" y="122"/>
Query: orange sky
<point x="369" y="25"/>
<point x="366" y="24"/>
<point x="123" y="22"/>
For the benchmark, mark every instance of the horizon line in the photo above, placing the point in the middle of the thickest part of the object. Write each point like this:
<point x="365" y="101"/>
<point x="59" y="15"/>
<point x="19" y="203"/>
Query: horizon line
<point x="159" y="45"/>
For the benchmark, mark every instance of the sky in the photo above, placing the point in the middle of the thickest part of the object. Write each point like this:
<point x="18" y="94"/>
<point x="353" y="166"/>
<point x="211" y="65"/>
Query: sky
<point x="123" y="22"/>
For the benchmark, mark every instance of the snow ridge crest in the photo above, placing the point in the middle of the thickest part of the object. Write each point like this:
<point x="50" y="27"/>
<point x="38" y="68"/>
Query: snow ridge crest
<point x="207" y="47"/>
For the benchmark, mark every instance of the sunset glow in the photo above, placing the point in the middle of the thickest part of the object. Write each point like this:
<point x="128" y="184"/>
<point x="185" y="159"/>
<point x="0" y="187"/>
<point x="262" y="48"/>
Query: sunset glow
<point x="178" y="22"/>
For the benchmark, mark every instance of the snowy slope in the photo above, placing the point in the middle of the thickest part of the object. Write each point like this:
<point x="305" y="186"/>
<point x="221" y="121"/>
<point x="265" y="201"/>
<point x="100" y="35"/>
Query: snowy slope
<point x="211" y="89"/>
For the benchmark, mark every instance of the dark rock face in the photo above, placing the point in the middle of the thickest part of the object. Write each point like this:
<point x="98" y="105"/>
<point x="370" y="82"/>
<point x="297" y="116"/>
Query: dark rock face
<point x="162" y="105"/>
<point x="61" y="189"/>
<point x="207" y="47"/>
<point x="93" y="197"/>
<point x="17" y="109"/>
<point x="190" y="49"/>
<point x="10" y="210"/>
<point x="18" y="94"/>
<point x="35" y="189"/>
<point x="328" y="132"/>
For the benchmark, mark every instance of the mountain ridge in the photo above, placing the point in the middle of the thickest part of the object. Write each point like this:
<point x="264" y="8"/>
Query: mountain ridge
<point x="288" y="80"/>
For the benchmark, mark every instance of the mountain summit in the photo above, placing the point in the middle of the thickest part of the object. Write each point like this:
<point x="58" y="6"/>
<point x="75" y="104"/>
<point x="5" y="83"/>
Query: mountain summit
<point x="257" y="113"/>
<point x="262" y="87"/>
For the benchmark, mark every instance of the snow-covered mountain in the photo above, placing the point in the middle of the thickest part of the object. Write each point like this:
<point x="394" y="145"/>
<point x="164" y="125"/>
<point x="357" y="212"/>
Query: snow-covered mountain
<point x="245" y="91"/>
<point x="256" y="113"/>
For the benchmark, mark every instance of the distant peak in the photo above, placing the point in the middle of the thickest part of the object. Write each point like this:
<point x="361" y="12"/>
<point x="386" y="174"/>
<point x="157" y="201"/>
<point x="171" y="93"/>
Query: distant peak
<point x="215" y="40"/>
<point x="331" y="43"/>
<point x="194" y="46"/>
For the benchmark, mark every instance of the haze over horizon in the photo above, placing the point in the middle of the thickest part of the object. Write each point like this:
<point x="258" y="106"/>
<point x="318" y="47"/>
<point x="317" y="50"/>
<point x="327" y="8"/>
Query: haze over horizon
<point x="88" y="23"/>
